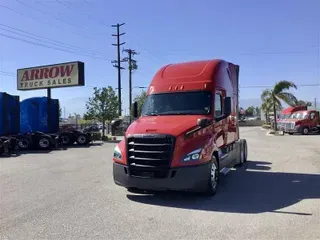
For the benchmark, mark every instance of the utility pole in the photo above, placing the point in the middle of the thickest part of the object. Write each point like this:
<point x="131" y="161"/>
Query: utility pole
<point x="132" y="66"/>
<point x="117" y="63"/>
<point x="315" y="102"/>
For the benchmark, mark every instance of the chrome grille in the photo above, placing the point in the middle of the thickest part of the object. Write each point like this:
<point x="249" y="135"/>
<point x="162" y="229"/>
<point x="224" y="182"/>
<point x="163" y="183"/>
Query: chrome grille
<point x="286" y="125"/>
<point x="149" y="155"/>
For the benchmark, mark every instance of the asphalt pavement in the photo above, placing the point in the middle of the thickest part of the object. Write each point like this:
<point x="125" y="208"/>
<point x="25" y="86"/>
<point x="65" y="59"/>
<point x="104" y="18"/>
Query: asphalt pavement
<point x="70" y="194"/>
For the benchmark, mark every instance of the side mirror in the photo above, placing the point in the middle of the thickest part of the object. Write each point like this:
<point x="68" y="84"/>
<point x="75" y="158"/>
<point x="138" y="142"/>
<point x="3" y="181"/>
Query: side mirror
<point x="135" y="109"/>
<point x="227" y="106"/>
<point x="202" y="122"/>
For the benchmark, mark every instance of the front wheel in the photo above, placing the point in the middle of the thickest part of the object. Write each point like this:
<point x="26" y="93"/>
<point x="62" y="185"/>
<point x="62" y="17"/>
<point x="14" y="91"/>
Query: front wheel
<point x="213" y="181"/>
<point x="305" y="131"/>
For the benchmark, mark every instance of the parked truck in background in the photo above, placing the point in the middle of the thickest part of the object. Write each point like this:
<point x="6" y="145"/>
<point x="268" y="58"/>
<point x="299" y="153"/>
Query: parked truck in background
<point x="286" y="113"/>
<point x="9" y="122"/>
<point x="39" y="126"/>
<point x="187" y="133"/>
<point x="303" y="122"/>
<point x="25" y="125"/>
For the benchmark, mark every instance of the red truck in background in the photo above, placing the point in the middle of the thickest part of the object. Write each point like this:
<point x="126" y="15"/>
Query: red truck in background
<point x="304" y="122"/>
<point x="187" y="133"/>
<point x="286" y="113"/>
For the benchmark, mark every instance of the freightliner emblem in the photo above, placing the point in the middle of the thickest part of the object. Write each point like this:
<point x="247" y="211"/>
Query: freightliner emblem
<point x="148" y="136"/>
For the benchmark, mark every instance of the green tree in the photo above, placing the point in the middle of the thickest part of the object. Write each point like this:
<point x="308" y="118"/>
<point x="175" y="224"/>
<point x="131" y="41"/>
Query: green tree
<point x="266" y="107"/>
<point x="258" y="111"/>
<point x="140" y="100"/>
<point x="277" y="94"/>
<point x="102" y="106"/>
<point x="250" y="111"/>
<point x="303" y="103"/>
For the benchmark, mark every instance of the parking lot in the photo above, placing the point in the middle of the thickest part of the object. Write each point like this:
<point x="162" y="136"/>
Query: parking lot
<point x="70" y="194"/>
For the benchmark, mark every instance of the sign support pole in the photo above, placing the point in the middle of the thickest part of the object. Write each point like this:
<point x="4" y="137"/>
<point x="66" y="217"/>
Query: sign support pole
<point x="49" y="108"/>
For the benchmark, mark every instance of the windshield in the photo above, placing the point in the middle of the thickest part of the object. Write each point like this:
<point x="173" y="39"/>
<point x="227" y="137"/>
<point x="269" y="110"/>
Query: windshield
<point x="284" y="116"/>
<point x="299" y="115"/>
<point x="178" y="103"/>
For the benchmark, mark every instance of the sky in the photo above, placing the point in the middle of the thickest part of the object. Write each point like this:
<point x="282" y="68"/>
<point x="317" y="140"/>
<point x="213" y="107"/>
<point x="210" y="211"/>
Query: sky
<point x="270" y="40"/>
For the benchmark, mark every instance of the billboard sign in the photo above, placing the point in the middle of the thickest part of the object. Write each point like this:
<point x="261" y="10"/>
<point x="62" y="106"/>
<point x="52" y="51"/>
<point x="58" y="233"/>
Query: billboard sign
<point x="68" y="74"/>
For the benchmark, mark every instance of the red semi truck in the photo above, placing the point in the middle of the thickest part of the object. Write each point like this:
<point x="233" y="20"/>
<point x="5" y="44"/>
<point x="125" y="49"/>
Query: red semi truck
<point x="304" y="122"/>
<point x="286" y="113"/>
<point x="187" y="133"/>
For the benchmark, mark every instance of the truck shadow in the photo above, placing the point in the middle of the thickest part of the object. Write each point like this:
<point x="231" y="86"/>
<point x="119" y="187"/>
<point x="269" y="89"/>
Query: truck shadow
<point x="245" y="191"/>
<point x="34" y="151"/>
<point x="90" y="145"/>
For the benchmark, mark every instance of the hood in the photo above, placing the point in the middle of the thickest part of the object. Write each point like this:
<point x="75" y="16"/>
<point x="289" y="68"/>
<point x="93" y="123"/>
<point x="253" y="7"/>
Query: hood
<point x="174" y="125"/>
<point x="293" y="120"/>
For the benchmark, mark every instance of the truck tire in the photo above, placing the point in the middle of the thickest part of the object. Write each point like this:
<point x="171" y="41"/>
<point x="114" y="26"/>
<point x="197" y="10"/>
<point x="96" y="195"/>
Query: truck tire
<point x="305" y="131"/>
<point x="245" y="150"/>
<point x="213" y="180"/>
<point x="44" y="143"/>
<point x="243" y="153"/>
<point x="24" y="143"/>
<point x="82" y="139"/>
<point x="66" y="139"/>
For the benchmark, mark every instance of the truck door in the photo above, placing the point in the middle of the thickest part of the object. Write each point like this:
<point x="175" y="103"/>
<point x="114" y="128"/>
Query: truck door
<point x="221" y="129"/>
<point x="314" y="119"/>
<point x="218" y="126"/>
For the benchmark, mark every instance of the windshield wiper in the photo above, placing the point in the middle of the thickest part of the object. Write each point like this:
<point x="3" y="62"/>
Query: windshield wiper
<point x="152" y="114"/>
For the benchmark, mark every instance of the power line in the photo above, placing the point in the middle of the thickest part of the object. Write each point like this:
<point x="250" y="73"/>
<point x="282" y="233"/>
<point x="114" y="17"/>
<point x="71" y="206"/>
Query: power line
<point x="67" y="5"/>
<point x="48" y="14"/>
<point x="270" y="86"/>
<point x="51" y="41"/>
<point x="46" y="46"/>
<point x="7" y="74"/>
<point x="58" y="13"/>
<point x="37" y="20"/>
<point x="117" y="63"/>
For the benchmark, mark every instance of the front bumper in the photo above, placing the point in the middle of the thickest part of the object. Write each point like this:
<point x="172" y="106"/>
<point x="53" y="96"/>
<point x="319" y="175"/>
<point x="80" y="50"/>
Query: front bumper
<point x="193" y="178"/>
<point x="291" y="129"/>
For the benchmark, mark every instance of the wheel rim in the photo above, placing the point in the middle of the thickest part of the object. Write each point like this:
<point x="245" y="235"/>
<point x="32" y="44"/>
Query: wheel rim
<point x="23" y="143"/>
<point x="44" y="143"/>
<point x="305" y="131"/>
<point x="82" y="139"/>
<point x="213" y="176"/>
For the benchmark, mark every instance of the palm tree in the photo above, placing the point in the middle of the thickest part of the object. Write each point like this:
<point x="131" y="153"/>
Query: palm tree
<point x="278" y="94"/>
<point x="266" y="107"/>
<point x="303" y="103"/>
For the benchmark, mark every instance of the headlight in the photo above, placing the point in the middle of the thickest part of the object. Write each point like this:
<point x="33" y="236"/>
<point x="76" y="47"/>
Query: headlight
<point x="193" y="156"/>
<point x="117" y="153"/>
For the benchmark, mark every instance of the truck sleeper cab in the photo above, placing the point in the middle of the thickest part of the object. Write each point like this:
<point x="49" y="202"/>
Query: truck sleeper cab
<point x="187" y="133"/>
<point x="303" y="122"/>
<point x="285" y="114"/>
